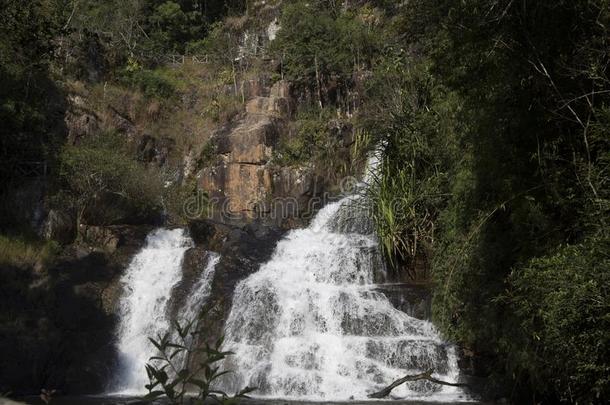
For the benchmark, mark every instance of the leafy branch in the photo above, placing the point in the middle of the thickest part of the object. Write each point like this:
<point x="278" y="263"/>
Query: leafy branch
<point x="184" y="370"/>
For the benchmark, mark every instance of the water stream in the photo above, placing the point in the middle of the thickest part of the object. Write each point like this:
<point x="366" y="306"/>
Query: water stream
<point x="144" y="307"/>
<point x="309" y="324"/>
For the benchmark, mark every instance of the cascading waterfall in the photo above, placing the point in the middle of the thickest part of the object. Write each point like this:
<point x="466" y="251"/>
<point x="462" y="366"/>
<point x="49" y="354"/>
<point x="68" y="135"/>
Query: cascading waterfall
<point x="200" y="291"/>
<point x="149" y="279"/>
<point x="144" y="307"/>
<point x="309" y="324"/>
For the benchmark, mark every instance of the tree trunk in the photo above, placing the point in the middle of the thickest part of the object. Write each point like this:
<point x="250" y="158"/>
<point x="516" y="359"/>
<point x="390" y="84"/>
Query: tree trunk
<point x="413" y="377"/>
<point x="318" y="85"/>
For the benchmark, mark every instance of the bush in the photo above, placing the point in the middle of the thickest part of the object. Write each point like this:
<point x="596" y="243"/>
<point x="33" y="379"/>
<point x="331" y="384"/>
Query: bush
<point x="104" y="184"/>
<point x="562" y="301"/>
<point x="184" y="369"/>
<point x="309" y="138"/>
<point x="410" y="117"/>
<point x="153" y="83"/>
<point x="320" y="50"/>
<point x="508" y="122"/>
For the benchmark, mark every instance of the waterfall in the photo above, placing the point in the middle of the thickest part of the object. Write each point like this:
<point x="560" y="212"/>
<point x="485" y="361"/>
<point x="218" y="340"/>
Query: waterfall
<point x="200" y="291"/>
<point x="309" y="324"/>
<point x="144" y="307"/>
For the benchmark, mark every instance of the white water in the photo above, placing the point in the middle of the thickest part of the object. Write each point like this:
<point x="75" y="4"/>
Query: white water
<point x="200" y="291"/>
<point x="309" y="325"/>
<point x="144" y="307"/>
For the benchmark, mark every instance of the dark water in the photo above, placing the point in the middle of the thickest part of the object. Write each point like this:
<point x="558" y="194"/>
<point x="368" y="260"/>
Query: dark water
<point x="97" y="400"/>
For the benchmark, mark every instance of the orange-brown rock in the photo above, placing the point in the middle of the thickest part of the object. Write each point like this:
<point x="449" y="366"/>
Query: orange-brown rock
<point x="244" y="183"/>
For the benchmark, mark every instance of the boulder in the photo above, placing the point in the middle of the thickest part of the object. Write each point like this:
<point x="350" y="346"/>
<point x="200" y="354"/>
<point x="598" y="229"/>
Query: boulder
<point x="281" y="89"/>
<point x="81" y="125"/>
<point x="59" y="226"/>
<point x="242" y="250"/>
<point x="104" y="238"/>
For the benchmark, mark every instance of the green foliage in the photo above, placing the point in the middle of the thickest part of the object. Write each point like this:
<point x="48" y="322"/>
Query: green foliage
<point x="184" y="202"/>
<point x="223" y="108"/>
<point x="316" y="140"/>
<point x="186" y="368"/>
<point x="153" y="83"/>
<point x="102" y="183"/>
<point x="169" y="24"/>
<point x="411" y="117"/>
<point x="137" y="28"/>
<point x="320" y="49"/>
<point x="207" y="155"/>
<point x="221" y="44"/>
<point x="561" y="301"/>
<point x="30" y="102"/>
<point x="310" y="137"/>
<point x="499" y="111"/>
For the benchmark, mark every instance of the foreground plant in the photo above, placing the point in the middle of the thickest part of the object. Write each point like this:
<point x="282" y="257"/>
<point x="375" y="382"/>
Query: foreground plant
<point x="185" y="368"/>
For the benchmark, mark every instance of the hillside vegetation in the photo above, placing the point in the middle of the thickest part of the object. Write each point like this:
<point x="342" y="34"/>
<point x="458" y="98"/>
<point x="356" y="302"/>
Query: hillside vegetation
<point x="492" y="118"/>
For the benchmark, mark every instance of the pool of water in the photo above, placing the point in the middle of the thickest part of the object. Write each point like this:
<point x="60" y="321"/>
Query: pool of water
<point x="105" y="400"/>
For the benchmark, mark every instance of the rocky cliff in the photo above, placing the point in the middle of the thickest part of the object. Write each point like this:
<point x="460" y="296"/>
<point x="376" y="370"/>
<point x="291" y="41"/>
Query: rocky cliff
<point x="58" y="320"/>
<point x="243" y="181"/>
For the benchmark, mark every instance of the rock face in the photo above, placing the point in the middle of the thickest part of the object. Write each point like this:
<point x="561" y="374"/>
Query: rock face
<point x="153" y="150"/>
<point x="59" y="226"/>
<point x="242" y="251"/>
<point x="195" y="261"/>
<point x="243" y="183"/>
<point x="80" y="120"/>
<point x="413" y="299"/>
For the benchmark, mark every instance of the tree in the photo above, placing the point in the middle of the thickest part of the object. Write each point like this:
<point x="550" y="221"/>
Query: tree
<point x="319" y="52"/>
<point x="100" y="181"/>
<point x="30" y="102"/>
<point x="523" y="102"/>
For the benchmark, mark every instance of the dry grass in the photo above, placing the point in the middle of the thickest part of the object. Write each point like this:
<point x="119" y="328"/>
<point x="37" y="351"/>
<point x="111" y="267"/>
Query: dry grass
<point x="204" y="99"/>
<point x="20" y="252"/>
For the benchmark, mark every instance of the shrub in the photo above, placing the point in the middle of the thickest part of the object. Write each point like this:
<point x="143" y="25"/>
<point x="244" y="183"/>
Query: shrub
<point x="153" y="83"/>
<point x="309" y="138"/>
<point x="184" y="370"/>
<point x="320" y="49"/>
<point x="562" y="301"/>
<point x="410" y="116"/>
<point x="184" y="202"/>
<point x="104" y="184"/>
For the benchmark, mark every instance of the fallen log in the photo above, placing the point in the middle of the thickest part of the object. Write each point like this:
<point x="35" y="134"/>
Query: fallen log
<point x="427" y="375"/>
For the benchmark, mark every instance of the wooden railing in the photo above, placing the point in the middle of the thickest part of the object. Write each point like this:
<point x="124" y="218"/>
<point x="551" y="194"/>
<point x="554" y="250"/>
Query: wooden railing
<point x="175" y="59"/>
<point x="25" y="169"/>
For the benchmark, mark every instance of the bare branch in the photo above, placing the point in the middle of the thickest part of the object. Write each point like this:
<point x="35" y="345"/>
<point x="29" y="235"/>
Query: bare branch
<point x="427" y="375"/>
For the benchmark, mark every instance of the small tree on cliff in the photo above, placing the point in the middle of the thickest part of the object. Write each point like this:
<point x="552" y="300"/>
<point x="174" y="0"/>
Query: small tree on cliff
<point x="101" y="182"/>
